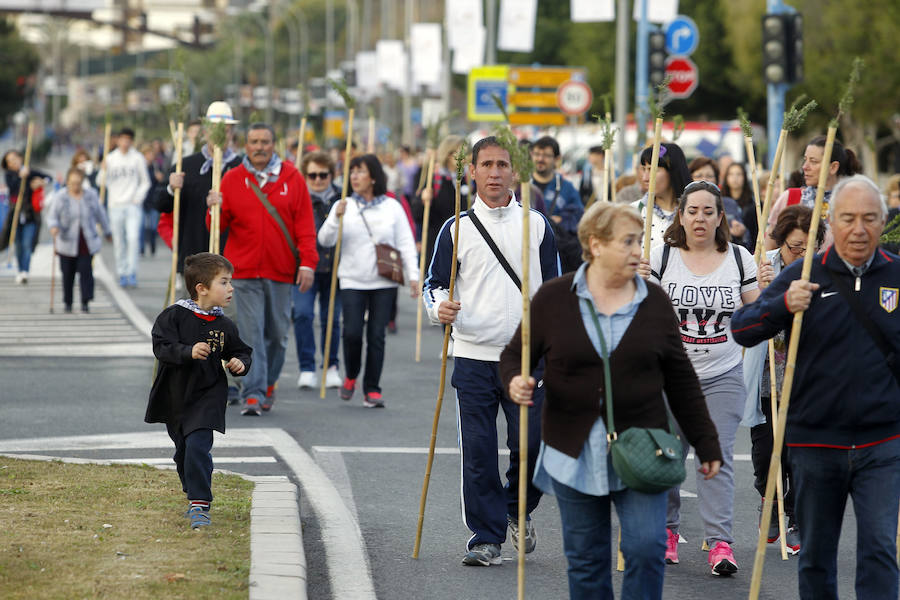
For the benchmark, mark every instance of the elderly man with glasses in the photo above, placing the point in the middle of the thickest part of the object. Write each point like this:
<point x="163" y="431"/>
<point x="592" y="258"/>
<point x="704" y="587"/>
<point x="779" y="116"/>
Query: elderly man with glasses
<point x="843" y="423"/>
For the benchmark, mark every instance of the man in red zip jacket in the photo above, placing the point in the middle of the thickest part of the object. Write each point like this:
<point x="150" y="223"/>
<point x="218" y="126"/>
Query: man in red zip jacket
<point x="266" y="264"/>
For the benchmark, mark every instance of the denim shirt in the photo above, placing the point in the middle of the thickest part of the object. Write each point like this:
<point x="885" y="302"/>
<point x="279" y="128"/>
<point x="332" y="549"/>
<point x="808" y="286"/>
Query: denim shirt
<point x="591" y="473"/>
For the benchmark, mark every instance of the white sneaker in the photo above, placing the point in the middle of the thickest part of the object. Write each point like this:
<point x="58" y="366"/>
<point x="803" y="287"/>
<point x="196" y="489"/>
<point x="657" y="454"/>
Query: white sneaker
<point x="20" y="277"/>
<point x="307" y="379"/>
<point x="332" y="377"/>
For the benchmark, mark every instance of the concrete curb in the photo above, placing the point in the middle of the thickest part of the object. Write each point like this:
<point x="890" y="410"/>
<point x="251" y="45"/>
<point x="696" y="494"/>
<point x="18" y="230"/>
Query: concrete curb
<point x="277" y="559"/>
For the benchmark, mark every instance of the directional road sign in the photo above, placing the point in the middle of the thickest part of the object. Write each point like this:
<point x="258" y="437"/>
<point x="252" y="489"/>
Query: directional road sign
<point x="682" y="36"/>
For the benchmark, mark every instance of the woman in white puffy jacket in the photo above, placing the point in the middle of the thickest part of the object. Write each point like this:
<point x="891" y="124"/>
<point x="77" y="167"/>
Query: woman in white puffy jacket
<point x="370" y="217"/>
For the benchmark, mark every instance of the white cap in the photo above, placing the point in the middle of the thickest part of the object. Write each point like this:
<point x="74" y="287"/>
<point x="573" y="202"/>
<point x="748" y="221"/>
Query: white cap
<point x="220" y="112"/>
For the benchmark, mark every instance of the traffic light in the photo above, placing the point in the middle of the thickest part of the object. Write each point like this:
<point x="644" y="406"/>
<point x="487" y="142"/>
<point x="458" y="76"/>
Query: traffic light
<point x="656" y="57"/>
<point x="782" y="48"/>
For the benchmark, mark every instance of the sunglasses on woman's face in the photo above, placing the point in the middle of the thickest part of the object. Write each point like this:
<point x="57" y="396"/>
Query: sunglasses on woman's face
<point x="323" y="175"/>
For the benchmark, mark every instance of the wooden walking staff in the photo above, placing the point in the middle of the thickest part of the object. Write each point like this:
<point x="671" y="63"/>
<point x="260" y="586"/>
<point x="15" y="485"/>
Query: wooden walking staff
<point x="370" y="145"/>
<point x="460" y="166"/>
<point x="176" y="216"/>
<point x="15" y="218"/>
<point x="53" y="275"/>
<point x="300" y="136"/>
<point x="651" y="191"/>
<point x="341" y="88"/>
<point x="107" y="134"/>
<point x="773" y="395"/>
<point x="425" y="218"/>
<point x="793" y="118"/>
<point x="215" y="230"/>
<point x="794" y="343"/>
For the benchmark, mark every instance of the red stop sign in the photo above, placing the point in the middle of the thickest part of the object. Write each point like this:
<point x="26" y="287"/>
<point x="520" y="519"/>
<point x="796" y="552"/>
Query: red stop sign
<point x="685" y="76"/>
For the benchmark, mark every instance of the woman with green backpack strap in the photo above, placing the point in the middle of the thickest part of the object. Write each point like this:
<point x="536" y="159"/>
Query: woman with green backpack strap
<point x="605" y="310"/>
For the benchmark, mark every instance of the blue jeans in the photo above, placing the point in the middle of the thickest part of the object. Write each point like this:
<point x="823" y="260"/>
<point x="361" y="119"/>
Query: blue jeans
<point x="125" y="221"/>
<point x="24" y="245"/>
<point x="355" y="303"/>
<point x="264" y="320"/>
<point x="587" y="542"/>
<point x="193" y="461"/>
<point x="303" y="313"/>
<point x="824" y="478"/>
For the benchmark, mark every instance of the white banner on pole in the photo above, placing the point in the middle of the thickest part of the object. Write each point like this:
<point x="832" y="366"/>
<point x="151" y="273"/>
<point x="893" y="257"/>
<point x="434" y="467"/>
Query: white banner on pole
<point x="470" y="54"/>
<point x="462" y="17"/>
<point x="367" y="72"/>
<point x="593" y="11"/>
<point x="425" y="48"/>
<point x="658" y="11"/>
<point x="516" y="25"/>
<point x="391" y="66"/>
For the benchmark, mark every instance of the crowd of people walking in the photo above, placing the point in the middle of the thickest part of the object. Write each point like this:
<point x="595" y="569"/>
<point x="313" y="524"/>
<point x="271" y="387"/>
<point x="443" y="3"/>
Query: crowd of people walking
<point x="617" y="341"/>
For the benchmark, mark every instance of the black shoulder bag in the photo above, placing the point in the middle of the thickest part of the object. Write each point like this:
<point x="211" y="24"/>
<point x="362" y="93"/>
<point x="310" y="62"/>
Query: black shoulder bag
<point x="645" y="459"/>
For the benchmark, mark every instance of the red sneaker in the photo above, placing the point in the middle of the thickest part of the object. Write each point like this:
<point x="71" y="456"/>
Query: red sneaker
<point x="373" y="400"/>
<point x="671" y="547"/>
<point x="251" y="407"/>
<point x="347" y="388"/>
<point x="721" y="559"/>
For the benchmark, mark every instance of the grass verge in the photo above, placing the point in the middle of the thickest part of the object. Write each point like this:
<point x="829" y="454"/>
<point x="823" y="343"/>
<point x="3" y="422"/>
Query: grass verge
<point x="94" y="531"/>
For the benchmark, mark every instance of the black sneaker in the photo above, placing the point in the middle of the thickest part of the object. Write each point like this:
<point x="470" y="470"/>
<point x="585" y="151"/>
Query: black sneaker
<point x="483" y="555"/>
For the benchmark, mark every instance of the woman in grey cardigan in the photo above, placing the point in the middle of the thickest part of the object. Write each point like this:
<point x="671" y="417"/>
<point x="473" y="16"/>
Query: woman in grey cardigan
<point x="74" y="215"/>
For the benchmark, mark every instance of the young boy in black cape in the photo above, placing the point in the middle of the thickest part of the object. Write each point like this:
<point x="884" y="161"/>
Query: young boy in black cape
<point x="191" y="339"/>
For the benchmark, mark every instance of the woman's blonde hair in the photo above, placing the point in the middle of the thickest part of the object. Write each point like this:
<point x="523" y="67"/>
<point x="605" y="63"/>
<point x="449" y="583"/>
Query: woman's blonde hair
<point x="447" y="148"/>
<point x="599" y="221"/>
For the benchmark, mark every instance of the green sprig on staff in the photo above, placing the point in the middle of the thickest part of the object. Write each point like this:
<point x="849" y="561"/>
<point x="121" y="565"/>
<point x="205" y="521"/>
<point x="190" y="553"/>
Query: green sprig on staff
<point x="501" y="106"/>
<point x="340" y="87"/>
<point x="744" y="118"/>
<point x="657" y="102"/>
<point x="847" y="99"/>
<point x="796" y="114"/>
<point x="519" y="156"/>
<point x="461" y="158"/>
<point x="677" y="127"/>
<point x="217" y="132"/>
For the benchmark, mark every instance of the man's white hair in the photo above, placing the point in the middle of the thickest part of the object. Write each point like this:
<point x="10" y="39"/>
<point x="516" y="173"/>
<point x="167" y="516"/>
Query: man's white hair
<point x="860" y="182"/>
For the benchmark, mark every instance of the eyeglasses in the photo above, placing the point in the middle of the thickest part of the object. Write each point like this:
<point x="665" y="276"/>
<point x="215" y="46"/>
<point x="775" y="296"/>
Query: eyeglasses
<point x="323" y="175"/>
<point x="706" y="186"/>
<point x="547" y="155"/>
<point x="796" y="250"/>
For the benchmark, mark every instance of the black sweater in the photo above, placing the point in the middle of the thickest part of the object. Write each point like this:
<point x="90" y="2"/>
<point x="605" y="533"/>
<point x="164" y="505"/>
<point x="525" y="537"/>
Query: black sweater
<point x="193" y="236"/>
<point x="648" y="361"/>
<point x="191" y="393"/>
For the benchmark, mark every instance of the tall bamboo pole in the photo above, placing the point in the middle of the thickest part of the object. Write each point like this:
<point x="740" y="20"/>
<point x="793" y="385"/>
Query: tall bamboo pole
<point x="216" y="213"/>
<point x="460" y="158"/>
<point x="773" y="397"/>
<point x="176" y="216"/>
<point x="651" y="191"/>
<point x="370" y="146"/>
<point x="26" y="162"/>
<point x="526" y="373"/>
<point x="107" y="134"/>
<point x="300" y="137"/>
<point x="790" y="365"/>
<point x="429" y="185"/>
<point x="52" y="274"/>
<point x="337" y="252"/>
<point x="767" y="205"/>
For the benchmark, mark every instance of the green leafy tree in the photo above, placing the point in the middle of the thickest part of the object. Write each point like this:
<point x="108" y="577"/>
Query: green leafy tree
<point x="19" y="64"/>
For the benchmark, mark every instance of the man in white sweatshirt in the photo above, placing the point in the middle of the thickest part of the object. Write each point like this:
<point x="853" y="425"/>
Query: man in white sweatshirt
<point x="127" y="184"/>
<point x="485" y="316"/>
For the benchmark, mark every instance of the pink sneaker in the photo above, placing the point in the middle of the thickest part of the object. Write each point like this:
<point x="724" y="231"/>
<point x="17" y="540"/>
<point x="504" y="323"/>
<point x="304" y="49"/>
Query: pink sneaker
<point x="671" y="547"/>
<point x="721" y="559"/>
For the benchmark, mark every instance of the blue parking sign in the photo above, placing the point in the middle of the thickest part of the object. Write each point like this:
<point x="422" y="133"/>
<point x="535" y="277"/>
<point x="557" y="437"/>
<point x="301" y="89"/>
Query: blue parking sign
<point x="682" y="36"/>
<point x="484" y="92"/>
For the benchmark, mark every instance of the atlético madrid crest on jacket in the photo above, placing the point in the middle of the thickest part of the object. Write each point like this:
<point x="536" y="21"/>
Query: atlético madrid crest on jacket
<point x="888" y="298"/>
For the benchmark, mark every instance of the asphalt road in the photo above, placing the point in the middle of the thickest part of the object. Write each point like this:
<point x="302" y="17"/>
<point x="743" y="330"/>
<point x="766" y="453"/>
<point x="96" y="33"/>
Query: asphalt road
<point x="375" y="459"/>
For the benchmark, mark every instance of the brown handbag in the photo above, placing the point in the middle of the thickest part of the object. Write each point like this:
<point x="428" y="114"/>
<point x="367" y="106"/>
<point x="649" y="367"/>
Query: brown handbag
<point x="388" y="261"/>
